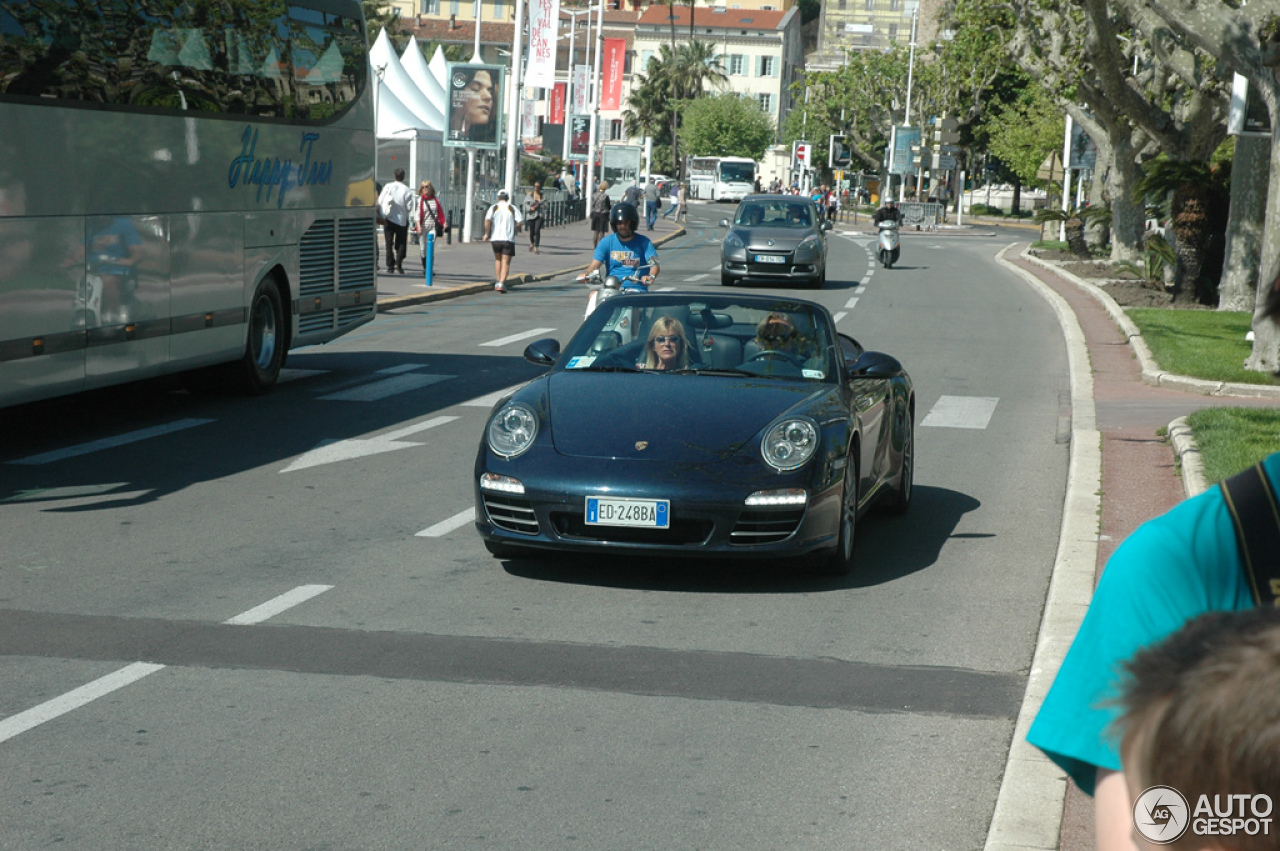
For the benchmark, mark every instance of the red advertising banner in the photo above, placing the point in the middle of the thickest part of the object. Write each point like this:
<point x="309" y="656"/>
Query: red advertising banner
<point x="615" y="58"/>
<point x="557" y="104"/>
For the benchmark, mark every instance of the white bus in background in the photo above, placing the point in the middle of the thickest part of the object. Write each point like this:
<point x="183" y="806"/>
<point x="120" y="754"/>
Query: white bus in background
<point x="721" y="178"/>
<point x="735" y="178"/>
<point x="182" y="187"/>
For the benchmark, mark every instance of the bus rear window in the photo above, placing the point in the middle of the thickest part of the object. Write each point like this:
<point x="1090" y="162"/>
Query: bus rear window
<point x="267" y="59"/>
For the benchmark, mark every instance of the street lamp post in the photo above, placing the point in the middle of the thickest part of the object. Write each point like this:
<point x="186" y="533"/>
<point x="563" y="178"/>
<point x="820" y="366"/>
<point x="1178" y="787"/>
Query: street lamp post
<point x="568" y="91"/>
<point x="595" y="105"/>
<point x="514" y="124"/>
<point x="468" y="213"/>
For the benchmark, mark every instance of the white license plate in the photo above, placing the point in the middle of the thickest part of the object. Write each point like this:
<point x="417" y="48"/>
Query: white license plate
<point x="611" y="511"/>
<point x="770" y="258"/>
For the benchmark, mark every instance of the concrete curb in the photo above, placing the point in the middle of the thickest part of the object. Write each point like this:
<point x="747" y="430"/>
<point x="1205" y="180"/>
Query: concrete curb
<point x="1028" y="813"/>
<point x="1188" y="452"/>
<point x="1151" y="372"/>
<point x="393" y="302"/>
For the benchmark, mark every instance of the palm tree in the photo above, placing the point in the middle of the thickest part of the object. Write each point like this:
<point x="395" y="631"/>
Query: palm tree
<point x="1191" y="188"/>
<point x="1073" y="226"/>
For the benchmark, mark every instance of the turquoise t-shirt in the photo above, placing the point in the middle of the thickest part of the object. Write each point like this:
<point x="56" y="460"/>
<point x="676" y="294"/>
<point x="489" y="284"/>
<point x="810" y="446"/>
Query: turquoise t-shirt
<point x="1172" y="568"/>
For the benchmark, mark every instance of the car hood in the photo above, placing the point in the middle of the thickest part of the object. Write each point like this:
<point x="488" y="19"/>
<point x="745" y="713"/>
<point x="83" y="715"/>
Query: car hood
<point x="650" y="417"/>
<point x="784" y="239"/>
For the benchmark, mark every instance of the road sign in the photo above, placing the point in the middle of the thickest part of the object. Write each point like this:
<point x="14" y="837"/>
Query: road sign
<point x="802" y="154"/>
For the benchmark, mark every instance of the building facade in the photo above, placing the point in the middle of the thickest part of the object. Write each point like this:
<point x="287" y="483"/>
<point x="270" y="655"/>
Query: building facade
<point x="872" y="25"/>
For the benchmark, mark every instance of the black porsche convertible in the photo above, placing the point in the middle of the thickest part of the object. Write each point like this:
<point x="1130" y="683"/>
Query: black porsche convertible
<point x="690" y="424"/>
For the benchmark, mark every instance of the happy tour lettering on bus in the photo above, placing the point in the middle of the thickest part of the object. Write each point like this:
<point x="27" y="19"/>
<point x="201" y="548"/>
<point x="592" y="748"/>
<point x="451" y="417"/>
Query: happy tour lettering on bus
<point x="271" y="172"/>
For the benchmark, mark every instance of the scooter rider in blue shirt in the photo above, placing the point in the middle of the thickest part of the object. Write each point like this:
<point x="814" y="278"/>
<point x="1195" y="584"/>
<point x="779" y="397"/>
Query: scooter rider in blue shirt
<point x="624" y="251"/>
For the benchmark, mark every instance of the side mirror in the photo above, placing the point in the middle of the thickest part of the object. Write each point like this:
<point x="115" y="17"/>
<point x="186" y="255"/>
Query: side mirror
<point x="874" y="365"/>
<point x="826" y="226"/>
<point x="543" y="352"/>
<point x="724" y="223"/>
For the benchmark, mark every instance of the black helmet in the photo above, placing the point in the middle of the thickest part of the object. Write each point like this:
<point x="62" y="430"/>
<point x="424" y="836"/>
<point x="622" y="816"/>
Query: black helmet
<point x="624" y="213"/>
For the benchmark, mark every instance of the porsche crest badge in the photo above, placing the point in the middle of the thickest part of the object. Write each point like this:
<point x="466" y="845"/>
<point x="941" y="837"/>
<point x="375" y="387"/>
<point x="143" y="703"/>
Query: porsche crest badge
<point x="642" y="445"/>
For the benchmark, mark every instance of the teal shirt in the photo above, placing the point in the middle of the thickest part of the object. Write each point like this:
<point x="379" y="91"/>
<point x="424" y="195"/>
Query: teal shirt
<point x="1172" y="568"/>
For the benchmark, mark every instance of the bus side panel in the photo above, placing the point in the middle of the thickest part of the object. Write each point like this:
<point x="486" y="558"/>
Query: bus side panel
<point x="207" y="289"/>
<point x="127" y="263"/>
<point x="43" y="308"/>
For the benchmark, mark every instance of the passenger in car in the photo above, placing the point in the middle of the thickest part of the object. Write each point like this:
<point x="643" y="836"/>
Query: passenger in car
<point x="667" y="346"/>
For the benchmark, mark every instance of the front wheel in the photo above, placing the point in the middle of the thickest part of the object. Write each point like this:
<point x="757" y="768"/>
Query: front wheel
<point x="264" y="350"/>
<point x="726" y="280"/>
<point x="839" y="562"/>
<point x="900" y="498"/>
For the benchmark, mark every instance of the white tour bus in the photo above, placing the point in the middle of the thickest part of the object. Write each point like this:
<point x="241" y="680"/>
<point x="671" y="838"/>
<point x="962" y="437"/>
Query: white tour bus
<point x="721" y="178"/>
<point x="735" y="178"/>
<point x="182" y="186"/>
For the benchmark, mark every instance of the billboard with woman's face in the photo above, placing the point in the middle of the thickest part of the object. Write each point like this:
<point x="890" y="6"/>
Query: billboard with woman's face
<point x="475" y="106"/>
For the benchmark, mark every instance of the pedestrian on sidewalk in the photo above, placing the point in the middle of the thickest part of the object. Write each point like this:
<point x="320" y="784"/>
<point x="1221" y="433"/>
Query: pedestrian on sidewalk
<point x="501" y="223"/>
<point x="652" y="200"/>
<point x="1173" y="568"/>
<point x="429" y="216"/>
<point x="533" y="217"/>
<point x="683" y="200"/>
<point x="394" y="202"/>
<point x="600" y="212"/>
<point x="674" y="190"/>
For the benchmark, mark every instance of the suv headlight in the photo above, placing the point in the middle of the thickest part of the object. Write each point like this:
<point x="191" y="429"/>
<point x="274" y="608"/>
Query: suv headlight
<point x="732" y="240"/>
<point x="512" y="430"/>
<point x="812" y="242"/>
<point x="790" y="443"/>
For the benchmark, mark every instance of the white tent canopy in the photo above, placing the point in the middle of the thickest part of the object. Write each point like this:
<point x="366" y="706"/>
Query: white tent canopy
<point x="396" y="80"/>
<point x="416" y="67"/>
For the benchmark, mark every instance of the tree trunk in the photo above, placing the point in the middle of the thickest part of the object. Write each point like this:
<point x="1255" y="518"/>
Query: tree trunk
<point x="1237" y="289"/>
<point x="1015" y="206"/>
<point x="1097" y="234"/>
<point x="1128" y="219"/>
<point x="1265" y="356"/>
<point x="1074" y="229"/>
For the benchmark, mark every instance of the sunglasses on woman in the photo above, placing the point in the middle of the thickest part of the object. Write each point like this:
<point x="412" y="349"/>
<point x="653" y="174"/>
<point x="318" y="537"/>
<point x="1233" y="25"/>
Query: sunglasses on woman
<point x="660" y="339"/>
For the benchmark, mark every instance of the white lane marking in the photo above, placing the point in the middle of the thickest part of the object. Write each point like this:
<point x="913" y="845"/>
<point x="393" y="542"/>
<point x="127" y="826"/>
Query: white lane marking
<point x="329" y="452"/>
<point x="74" y="699"/>
<point x="491" y="399"/>
<point x="396" y="370"/>
<point x="860" y="289"/>
<point x="110" y="442"/>
<point x="698" y="277"/>
<point x="961" y="412"/>
<point x="444" y="527"/>
<point x="837" y="317"/>
<point x="851" y="303"/>
<point x="515" y="338"/>
<point x="273" y="607"/>
<point x="715" y="268"/>
<point x="375" y="390"/>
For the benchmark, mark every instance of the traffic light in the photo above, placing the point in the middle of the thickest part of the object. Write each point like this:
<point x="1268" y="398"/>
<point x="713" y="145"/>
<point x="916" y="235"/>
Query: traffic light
<point x="839" y="153"/>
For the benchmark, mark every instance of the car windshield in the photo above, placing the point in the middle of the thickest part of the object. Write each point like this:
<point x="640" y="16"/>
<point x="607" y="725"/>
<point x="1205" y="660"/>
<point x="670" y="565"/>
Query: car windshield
<point x="775" y="214"/>
<point x="717" y="336"/>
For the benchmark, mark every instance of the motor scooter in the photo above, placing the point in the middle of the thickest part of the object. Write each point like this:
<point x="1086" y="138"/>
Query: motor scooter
<point x="611" y="286"/>
<point x="888" y="249"/>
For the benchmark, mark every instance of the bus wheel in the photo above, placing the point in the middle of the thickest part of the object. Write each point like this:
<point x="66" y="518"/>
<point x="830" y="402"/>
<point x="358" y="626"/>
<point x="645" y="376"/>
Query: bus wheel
<point x="264" y="351"/>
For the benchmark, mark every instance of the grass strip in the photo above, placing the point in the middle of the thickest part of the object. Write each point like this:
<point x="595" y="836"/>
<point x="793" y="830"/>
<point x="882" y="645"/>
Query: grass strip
<point x="1231" y="439"/>
<point x="1206" y="344"/>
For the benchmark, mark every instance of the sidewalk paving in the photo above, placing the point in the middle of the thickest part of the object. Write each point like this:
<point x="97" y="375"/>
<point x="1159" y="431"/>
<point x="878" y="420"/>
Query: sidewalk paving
<point x="465" y="268"/>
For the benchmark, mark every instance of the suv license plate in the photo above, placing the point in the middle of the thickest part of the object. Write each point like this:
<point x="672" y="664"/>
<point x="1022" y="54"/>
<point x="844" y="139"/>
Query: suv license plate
<point x="610" y="511"/>
<point x="770" y="258"/>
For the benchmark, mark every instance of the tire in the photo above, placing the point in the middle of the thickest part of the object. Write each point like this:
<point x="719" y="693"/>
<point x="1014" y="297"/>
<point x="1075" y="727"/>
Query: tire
<point x="726" y="280"/>
<point x="839" y="562"/>
<point x="257" y="372"/>
<point x="818" y="282"/>
<point x="900" y="498"/>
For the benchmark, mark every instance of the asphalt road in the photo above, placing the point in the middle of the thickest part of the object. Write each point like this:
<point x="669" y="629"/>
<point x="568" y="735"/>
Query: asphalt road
<point x="414" y="692"/>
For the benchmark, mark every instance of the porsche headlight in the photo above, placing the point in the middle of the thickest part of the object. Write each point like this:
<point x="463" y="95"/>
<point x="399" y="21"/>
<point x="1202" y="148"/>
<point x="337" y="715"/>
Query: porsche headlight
<point x="732" y="240"/>
<point x="790" y="443"/>
<point x="512" y="430"/>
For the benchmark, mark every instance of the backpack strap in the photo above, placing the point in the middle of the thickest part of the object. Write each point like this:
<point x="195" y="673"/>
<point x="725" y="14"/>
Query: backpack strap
<point x="1255" y="512"/>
